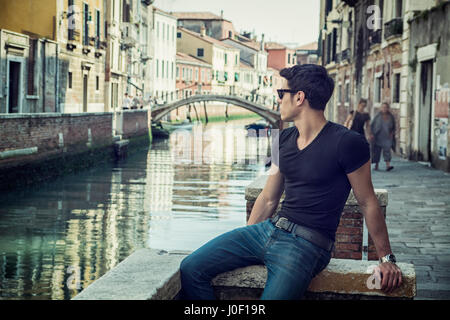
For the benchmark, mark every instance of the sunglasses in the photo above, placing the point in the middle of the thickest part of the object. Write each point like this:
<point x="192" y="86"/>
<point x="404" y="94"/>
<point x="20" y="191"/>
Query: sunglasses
<point x="281" y="92"/>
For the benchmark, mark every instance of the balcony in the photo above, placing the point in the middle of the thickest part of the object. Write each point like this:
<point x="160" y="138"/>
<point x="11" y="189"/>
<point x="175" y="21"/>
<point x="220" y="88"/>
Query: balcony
<point x="130" y="37"/>
<point x="393" y="28"/>
<point x="345" y="55"/>
<point x="375" y="37"/>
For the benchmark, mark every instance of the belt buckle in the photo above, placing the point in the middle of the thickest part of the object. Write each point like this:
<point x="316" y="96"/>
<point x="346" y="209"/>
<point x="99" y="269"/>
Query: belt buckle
<point x="281" y="223"/>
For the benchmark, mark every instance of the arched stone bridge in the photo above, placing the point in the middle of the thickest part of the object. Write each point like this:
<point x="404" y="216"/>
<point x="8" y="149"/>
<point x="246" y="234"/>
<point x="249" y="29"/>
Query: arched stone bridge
<point x="273" y="117"/>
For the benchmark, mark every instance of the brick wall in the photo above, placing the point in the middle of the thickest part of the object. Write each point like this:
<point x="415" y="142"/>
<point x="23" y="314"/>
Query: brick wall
<point x="135" y="123"/>
<point x="64" y="142"/>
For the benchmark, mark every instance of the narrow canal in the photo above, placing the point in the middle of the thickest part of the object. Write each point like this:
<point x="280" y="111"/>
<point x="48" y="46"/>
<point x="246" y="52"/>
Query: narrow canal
<point x="58" y="237"/>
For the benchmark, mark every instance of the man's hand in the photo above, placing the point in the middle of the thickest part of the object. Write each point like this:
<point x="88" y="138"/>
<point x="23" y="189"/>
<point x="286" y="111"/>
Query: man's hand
<point x="391" y="277"/>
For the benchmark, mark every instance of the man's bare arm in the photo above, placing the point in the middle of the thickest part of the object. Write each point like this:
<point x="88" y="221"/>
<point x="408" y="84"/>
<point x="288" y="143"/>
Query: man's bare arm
<point x="361" y="182"/>
<point x="269" y="198"/>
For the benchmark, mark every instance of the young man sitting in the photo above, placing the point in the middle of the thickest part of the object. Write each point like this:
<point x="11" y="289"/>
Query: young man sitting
<point x="318" y="163"/>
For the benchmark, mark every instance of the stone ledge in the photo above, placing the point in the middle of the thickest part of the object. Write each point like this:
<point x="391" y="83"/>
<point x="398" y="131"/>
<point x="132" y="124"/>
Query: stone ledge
<point x="341" y="276"/>
<point x="253" y="190"/>
<point x="145" y="275"/>
<point x="154" y="274"/>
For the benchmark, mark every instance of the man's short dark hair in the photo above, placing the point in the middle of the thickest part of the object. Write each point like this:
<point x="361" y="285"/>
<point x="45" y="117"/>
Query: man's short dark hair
<point x="313" y="80"/>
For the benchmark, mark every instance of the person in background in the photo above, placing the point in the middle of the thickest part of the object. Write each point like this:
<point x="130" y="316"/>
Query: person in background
<point x="126" y="102"/>
<point x="383" y="136"/>
<point x="348" y="122"/>
<point x="361" y="119"/>
<point x="135" y="102"/>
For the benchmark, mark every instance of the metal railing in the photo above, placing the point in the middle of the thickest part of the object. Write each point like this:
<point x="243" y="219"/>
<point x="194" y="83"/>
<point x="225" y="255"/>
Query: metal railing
<point x="393" y="28"/>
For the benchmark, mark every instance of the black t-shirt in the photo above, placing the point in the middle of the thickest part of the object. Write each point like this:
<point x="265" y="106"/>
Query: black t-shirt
<point x="359" y="121"/>
<point x="316" y="183"/>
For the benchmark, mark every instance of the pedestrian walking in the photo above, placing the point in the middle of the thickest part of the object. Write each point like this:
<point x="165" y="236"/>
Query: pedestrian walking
<point x="361" y="119"/>
<point x="317" y="164"/>
<point x="126" y="102"/>
<point x="349" y="121"/>
<point x="383" y="136"/>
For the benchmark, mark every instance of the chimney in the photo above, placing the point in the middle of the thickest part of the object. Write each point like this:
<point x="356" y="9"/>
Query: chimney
<point x="262" y="42"/>
<point x="203" y="31"/>
<point x="221" y="14"/>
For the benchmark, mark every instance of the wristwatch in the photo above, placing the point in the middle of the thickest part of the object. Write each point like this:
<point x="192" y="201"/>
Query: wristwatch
<point x="388" y="258"/>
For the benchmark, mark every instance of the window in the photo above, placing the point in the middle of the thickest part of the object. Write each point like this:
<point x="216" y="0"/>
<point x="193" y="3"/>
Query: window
<point x="178" y="72"/>
<point x="71" y="20"/>
<point x="179" y="35"/>
<point x="168" y="33"/>
<point x="289" y="58"/>
<point x="31" y="66"/>
<point x="97" y="29"/>
<point x="339" y="94"/>
<point x="163" y="30"/>
<point x="347" y="92"/>
<point x="396" y="88"/>
<point x="70" y="80"/>
<point x="236" y="60"/>
<point x="167" y="69"/>
<point x="162" y="69"/>
<point x="157" y="68"/>
<point x="398" y="8"/>
<point x="200" y="52"/>
<point x="157" y="30"/>
<point x="86" y="25"/>
<point x="377" y="88"/>
<point x="225" y="75"/>
<point x="97" y="83"/>
<point x="226" y="56"/>
<point x="173" y="33"/>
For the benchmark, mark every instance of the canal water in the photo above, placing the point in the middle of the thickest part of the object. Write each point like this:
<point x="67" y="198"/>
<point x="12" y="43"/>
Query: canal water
<point x="58" y="237"/>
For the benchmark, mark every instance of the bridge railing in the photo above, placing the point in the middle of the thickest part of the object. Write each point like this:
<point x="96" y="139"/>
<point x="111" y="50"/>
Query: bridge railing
<point x="180" y="94"/>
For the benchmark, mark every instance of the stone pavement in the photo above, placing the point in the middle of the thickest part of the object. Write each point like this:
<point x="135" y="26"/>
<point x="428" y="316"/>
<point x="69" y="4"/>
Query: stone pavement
<point x="418" y="221"/>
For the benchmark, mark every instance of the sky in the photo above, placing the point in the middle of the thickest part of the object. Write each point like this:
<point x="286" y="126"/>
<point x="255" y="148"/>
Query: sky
<point x="294" y="22"/>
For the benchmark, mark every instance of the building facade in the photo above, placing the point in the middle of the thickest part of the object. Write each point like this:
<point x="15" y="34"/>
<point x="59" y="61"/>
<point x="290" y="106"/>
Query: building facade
<point x="384" y="52"/>
<point x="164" y="55"/>
<point x="64" y="61"/>
<point x="280" y="56"/>
<point x="215" y="26"/>
<point x="223" y="58"/>
<point x="253" y="55"/>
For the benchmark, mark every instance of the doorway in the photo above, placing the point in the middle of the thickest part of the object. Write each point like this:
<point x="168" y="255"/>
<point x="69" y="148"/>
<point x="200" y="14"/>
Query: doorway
<point x="14" y="91"/>
<point x="425" y="104"/>
<point x="85" y="92"/>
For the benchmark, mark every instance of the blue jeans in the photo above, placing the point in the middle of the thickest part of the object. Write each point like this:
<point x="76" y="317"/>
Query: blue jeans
<point x="291" y="261"/>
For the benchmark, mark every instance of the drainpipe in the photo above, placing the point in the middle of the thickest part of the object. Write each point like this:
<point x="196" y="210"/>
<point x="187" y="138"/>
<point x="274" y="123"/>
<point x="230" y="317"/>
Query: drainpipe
<point x="58" y="107"/>
<point x="44" y="69"/>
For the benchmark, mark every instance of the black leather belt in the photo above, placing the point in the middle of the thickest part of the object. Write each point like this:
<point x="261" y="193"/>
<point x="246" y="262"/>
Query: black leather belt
<point x="306" y="233"/>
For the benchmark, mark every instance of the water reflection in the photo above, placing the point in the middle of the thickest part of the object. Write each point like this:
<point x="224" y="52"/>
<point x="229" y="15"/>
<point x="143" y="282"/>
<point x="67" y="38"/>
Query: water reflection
<point x="58" y="237"/>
